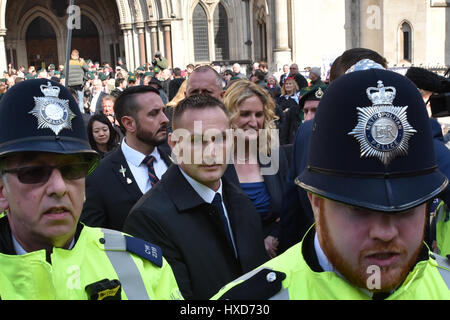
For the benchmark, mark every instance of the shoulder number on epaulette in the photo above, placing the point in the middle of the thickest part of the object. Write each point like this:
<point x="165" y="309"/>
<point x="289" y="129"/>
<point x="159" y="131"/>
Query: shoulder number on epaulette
<point x="144" y="250"/>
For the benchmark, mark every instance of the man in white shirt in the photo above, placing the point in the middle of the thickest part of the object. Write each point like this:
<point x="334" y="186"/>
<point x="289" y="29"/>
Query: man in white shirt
<point x="206" y="226"/>
<point x="131" y="170"/>
<point x="96" y="97"/>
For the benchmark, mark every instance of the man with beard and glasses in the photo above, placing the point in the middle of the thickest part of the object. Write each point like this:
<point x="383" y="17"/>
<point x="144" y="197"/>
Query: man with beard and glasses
<point x="45" y="253"/>
<point x="370" y="175"/>
<point x="130" y="171"/>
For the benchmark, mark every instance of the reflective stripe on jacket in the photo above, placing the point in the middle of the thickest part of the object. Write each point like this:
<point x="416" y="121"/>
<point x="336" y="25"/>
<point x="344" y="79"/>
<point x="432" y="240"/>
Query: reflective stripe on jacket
<point x="429" y="280"/>
<point x="98" y="254"/>
<point x="443" y="229"/>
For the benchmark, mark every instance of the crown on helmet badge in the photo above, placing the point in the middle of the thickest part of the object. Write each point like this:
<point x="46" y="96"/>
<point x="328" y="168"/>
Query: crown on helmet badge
<point x="383" y="130"/>
<point x="51" y="112"/>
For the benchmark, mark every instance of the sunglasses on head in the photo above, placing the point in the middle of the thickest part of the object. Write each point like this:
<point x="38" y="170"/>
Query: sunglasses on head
<point x="41" y="174"/>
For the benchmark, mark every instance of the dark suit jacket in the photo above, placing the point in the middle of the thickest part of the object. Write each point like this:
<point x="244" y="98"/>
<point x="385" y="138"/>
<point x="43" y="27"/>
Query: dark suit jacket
<point x="98" y="105"/>
<point x="297" y="214"/>
<point x="275" y="185"/>
<point x="109" y="197"/>
<point x="190" y="233"/>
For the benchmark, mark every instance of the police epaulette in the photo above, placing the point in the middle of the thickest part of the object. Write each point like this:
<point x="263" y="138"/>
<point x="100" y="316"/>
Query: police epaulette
<point x="263" y="285"/>
<point x="116" y="241"/>
<point x="144" y="250"/>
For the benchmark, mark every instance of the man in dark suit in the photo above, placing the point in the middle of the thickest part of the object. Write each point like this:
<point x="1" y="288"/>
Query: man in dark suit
<point x="294" y="72"/>
<point x="123" y="177"/>
<point x="208" y="229"/>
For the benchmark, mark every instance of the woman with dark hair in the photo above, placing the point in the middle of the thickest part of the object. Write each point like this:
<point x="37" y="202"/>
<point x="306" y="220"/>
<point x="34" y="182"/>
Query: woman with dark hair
<point x="102" y="136"/>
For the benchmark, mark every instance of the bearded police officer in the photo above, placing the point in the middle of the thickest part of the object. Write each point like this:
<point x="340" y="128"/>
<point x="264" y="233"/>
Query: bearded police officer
<point x="45" y="253"/>
<point x="370" y="173"/>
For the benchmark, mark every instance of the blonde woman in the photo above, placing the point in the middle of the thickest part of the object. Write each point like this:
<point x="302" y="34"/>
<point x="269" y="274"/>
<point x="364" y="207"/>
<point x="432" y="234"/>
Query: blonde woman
<point x="289" y="94"/>
<point x="256" y="141"/>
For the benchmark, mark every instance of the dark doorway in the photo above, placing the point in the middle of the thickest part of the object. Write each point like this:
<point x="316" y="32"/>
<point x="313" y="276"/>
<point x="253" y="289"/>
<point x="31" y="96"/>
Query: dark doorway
<point x="42" y="49"/>
<point x="86" y="40"/>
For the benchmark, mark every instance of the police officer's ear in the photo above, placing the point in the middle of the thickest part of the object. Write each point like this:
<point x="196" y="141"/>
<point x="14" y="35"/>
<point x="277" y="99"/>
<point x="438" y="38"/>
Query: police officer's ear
<point x="128" y="123"/>
<point x="4" y="204"/>
<point x="171" y="141"/>
<point x="315" y="203"/>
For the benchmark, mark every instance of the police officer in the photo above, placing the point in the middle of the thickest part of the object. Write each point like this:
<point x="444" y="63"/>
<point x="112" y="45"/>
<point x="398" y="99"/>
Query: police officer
<point x="45" y="253"/>
<point x="370" y="173"/>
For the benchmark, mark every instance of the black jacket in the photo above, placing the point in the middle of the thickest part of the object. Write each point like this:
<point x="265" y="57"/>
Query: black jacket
<point x="191" y="235"/>
<point x="275" y="185"/>
<point x="109" y="196"/>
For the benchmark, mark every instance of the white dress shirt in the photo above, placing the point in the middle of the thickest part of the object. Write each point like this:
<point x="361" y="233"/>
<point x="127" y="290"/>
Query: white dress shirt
<point x="207" y="194"/>
<point x="138" y="169"/>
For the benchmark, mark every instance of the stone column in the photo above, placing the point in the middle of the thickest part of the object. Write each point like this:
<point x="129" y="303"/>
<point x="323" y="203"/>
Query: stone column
<point x="167" y="41"/>
<point x="141" y="35"/>
<point x="129" y="52"/>
<point x="3" y="61"/>
<point x="282" y="52"/>
<point x="148" y="43"/>
<point x="154" y="36"/>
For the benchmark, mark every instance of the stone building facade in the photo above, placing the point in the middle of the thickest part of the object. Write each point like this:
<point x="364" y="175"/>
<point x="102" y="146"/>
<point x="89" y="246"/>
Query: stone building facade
<point x="310" y="33"/>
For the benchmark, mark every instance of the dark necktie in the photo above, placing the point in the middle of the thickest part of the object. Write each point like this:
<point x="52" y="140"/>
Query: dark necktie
<point x="148" y="161"/>
<point x="217" y="201"/>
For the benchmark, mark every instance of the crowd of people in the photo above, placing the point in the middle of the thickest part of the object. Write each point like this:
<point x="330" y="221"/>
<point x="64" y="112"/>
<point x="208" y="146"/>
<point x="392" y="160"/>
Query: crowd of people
<point x="178" y="182"/>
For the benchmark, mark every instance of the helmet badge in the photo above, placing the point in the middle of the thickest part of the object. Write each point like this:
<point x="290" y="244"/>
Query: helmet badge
<point x="383" y="130"/>
<point x="51" y="112"/>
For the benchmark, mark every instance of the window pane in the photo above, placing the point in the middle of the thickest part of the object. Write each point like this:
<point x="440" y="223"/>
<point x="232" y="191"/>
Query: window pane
<point x="221" y="33"/>
<point x="200" y="26"/>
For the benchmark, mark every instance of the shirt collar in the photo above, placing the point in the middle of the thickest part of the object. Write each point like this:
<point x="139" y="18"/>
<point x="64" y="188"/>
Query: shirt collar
<point x="135" y="157"/>
<point x="20" y="250"/>
<point x="206" y="193"/>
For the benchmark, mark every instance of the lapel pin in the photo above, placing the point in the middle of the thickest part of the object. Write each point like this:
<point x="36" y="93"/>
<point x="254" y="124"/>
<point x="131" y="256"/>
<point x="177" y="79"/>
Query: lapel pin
<point x="129" y="181"/>
<point x="122" y="170"/>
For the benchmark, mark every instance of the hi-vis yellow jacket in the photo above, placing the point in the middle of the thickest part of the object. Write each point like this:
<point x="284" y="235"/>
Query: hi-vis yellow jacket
<point x="429" y="280"/>
<point x="98" y="254"/>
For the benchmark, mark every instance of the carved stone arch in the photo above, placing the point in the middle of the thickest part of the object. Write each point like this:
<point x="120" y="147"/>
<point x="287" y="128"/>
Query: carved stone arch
<point x="24" y="22"/>
<point x="40" y="11"/>
<point x="124" y="11"/>
<point x="226" y="6"/>
<point x="205" y="55"/>
<point x="96" y="18"/>
<point x="158" y="9"/>
<point x="150" y="9"/>
<point x="167" y="9"/>
<point x="136" y="11"/>
<point x="203" y="5"/>
<point x="229" y="24"/>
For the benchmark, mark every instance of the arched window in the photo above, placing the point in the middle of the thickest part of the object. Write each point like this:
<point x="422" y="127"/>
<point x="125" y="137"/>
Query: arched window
<point x="200" y="26"/>
<point x="221" y="33"/>
<point x="406" y="42"/>
<point x="41" y="43"/>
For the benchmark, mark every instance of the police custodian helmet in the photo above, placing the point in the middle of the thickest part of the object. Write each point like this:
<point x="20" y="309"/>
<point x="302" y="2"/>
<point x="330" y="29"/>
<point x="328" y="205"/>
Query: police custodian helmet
<point x="371" y="144"/>
<point x="42" y="115"/>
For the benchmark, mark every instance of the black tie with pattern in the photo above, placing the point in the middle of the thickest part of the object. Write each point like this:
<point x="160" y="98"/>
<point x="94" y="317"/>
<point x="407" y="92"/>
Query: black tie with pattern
<point x="148" y="161"/>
